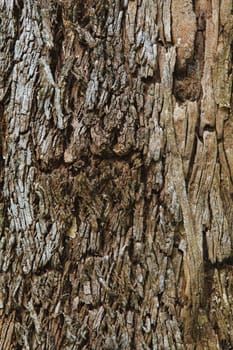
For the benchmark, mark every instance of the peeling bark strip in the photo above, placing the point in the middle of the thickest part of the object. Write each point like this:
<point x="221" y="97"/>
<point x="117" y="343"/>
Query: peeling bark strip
<point x="116" y="213"/>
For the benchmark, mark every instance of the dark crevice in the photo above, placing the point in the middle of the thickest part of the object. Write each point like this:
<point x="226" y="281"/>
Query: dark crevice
<point x="51" y="165"/>
<point x="187" y="82"/>
<point x="114" y="157"/>
<point x="152" y="79"/>
<point x="194" y="5"/>
<point x="68" y="135"/>
<point x="17" y="13"/>
<point x="221" y="265"/>
<point x="57" y="50"/>
<point x="186" y="89"/>
<point x="209" y="128"/>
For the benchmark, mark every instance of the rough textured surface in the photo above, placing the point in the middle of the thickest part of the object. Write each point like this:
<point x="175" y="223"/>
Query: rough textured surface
<point x="116" y="208"/>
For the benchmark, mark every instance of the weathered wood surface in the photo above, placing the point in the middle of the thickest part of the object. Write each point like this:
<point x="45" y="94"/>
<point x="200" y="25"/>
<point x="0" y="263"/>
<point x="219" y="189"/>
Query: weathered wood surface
<point x="116" y="174"/>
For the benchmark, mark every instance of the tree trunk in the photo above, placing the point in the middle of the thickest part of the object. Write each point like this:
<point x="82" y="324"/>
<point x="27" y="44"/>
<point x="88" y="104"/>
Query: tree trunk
<point x="116" y="174"/>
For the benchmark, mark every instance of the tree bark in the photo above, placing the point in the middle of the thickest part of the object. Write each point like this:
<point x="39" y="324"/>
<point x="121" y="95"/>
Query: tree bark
<point x="116" y="213"/>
